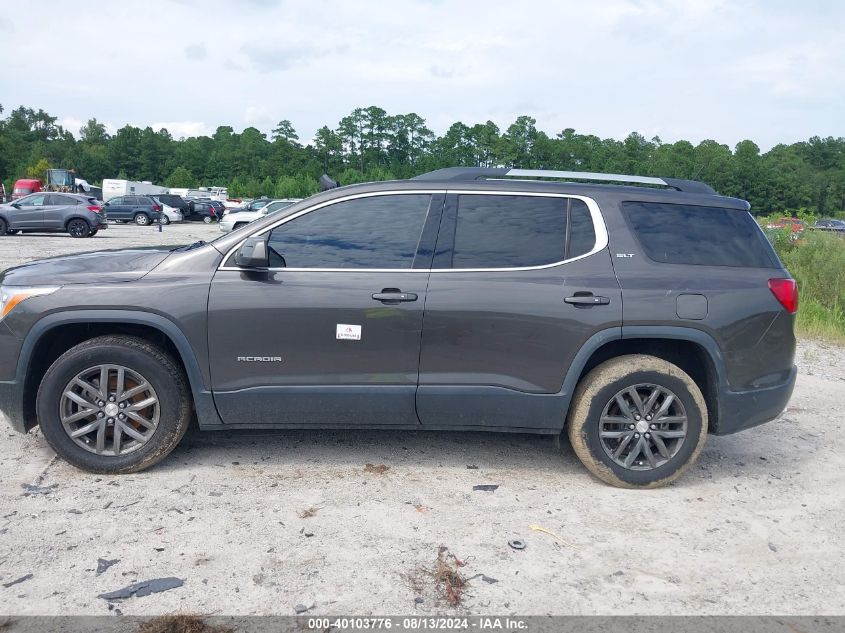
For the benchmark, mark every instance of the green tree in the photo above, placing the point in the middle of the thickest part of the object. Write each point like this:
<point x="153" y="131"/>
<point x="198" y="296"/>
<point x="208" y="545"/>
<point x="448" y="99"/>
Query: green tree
<point x="39" y="170"/>
<point x="181" y="177"/>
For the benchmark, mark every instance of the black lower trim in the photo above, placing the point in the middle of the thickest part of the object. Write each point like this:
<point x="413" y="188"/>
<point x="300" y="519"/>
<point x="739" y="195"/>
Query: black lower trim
<point x="739" y="410"/>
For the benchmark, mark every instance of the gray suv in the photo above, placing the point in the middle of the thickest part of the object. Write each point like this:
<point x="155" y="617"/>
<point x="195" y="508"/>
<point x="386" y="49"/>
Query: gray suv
<point x="47" y="212"/>
<point x="634" y="319"/>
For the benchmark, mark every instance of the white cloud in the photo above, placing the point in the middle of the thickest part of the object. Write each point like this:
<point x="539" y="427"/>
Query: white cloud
<point x="183" y="129"/>
<point x="689" y="68"/>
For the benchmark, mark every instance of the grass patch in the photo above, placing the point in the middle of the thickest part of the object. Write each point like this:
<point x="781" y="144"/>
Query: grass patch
<point x="817" y="261"/>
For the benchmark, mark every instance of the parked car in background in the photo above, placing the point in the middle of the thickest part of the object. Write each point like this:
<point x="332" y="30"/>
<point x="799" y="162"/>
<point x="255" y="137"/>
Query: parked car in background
<point x="794" y="224"/>
<point x="169" y="214"/>
<point x="202" y="212"/>
<point x="234" y="221"/>
<point x="252" y="205"/>
<point x="25" y="186"/>
<point x="836" y="226"/>
<point x="46" y="212"/>
<point x="173" y="200"/>
<point x="142" y="210"/>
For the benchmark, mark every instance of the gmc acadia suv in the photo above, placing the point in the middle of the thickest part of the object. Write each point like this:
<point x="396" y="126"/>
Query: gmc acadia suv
<point x="635" y="319"/>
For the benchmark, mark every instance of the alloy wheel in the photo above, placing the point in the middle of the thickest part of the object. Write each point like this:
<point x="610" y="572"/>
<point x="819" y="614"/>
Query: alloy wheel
<point x="109" y="410"/>
<point x="78" y="228"/>
<point x="643" y="426"/>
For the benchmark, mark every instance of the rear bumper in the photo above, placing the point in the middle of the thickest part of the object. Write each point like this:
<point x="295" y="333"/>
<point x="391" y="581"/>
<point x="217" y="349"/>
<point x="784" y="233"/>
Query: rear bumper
<point x="11" y="405"/>
<point x="739" y="410"/>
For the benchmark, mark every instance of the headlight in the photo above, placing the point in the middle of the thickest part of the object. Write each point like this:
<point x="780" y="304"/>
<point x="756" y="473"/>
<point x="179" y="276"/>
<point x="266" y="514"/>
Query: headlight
<point x="10" y="296"/>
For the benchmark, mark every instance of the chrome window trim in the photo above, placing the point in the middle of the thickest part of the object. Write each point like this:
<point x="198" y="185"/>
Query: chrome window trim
<point x="595" y="213"/>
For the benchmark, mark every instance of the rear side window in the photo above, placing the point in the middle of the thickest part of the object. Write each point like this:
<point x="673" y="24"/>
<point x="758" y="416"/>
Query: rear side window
<point x="497" y="231"/>
<point x="702" y="236"/>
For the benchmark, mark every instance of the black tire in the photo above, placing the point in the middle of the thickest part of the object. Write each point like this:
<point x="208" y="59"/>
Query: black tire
<point x="4" y="228"/>
<point x="78" y="228"/>
<point x="148" y="361"/>
<point x="93" y="232"/>
<point x="164" y="220"/>
<point x="142" y="219"/>
<point x="207" y="219"/>
<point x="598" y="390"/>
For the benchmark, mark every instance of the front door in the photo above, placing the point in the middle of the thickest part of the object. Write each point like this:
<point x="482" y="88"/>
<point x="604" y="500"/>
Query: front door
<point x="29" y="214"/>
<point x="520" y="282"/>
<point x="330" y="334"/>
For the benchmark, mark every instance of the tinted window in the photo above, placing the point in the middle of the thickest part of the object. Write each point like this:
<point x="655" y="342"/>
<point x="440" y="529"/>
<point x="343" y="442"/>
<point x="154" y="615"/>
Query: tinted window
<point x="705" y="236"/>
<point x="32" y="201"/>
<point x="116" y="201"/>
<point x="56" y="200"/>
<point x="509" y="231"/>
<point x="374" y="232"/>
<point x="582" y="233"/>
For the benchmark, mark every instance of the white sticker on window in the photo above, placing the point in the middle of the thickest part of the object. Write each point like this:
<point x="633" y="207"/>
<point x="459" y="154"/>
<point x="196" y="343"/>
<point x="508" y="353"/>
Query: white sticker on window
<point x="348" y="332"/>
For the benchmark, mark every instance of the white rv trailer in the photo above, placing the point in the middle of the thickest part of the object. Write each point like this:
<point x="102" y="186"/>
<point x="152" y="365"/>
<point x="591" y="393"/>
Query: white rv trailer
<point x="113" y="187"/>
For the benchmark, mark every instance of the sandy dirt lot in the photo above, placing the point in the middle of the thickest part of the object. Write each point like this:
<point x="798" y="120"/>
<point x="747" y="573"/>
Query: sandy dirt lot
<point x="260" y="523"/>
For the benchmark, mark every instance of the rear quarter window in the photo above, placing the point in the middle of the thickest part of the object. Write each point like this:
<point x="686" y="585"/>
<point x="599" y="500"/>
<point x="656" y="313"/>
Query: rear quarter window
<point x="699" y="235"/>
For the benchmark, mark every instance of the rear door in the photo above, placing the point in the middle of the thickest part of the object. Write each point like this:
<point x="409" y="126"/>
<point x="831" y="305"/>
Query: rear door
<point x="330" y="334"/>
<point x="56" y="211"/>
<point x="519" y="283"/>
<point x="30" y="213"/>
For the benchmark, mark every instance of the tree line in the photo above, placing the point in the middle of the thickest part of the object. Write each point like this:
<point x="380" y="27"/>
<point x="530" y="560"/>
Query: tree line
<point x="370" y="144"/>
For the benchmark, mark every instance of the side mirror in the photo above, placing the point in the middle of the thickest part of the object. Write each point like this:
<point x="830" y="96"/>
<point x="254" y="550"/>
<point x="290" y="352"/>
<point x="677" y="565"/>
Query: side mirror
<point x="16" y="205"/>
<point x="253" y="253"/>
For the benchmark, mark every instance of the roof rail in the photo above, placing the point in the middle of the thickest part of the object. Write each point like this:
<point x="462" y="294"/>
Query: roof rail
<point x="479" y="173"/>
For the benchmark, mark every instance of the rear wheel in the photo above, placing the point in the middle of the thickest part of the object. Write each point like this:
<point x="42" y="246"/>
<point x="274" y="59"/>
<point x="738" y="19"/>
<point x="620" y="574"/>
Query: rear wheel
<point x="637" y="422"/>
<point x="93" y="232"/>
<point x="78" y="228"/>
<point x="207" y="219"/>
<point x="114" y="404"/>
<point x="142" y="219"/>
<point x="165" y="220"/>
<point x="4" y="228"/>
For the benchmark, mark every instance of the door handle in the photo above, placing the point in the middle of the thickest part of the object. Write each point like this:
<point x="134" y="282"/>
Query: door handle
<point x="587" y="300"/>
<point x="394" y="295"/>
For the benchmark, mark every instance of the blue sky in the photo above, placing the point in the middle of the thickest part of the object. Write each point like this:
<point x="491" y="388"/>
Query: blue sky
<point x="694" y="69"/>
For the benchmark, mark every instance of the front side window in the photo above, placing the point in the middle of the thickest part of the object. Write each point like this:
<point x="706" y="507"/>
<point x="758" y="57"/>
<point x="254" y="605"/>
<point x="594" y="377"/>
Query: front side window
<point x="501" y="231"/>
<point x="32" y="201"/>
<point x="372" y="232"/>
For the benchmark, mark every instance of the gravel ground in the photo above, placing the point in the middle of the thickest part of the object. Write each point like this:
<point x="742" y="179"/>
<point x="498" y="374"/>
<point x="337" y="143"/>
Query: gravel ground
<point x="258" y="523"/>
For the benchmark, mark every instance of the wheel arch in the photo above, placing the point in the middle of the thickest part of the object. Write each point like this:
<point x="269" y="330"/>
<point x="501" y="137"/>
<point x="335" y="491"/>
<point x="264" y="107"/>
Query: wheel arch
<point x="56" y="333"/>
<point x="694" y="351"/>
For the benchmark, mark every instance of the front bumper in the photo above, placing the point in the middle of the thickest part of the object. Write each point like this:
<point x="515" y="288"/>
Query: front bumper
<point x="739" y="410"/>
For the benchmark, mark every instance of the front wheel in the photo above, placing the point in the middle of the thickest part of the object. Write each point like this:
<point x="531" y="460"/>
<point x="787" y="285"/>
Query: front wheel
<point x="637" y="421"/>
<point x="114" y="404"/>
<point x="141" y="219"/>
<point x="78" y="228"/>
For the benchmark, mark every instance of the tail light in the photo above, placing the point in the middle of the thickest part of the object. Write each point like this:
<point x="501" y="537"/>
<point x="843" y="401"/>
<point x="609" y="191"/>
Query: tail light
<point x="786" y="292"/>
<point x="95" y="209"/>
<point x="156" y="208"/>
